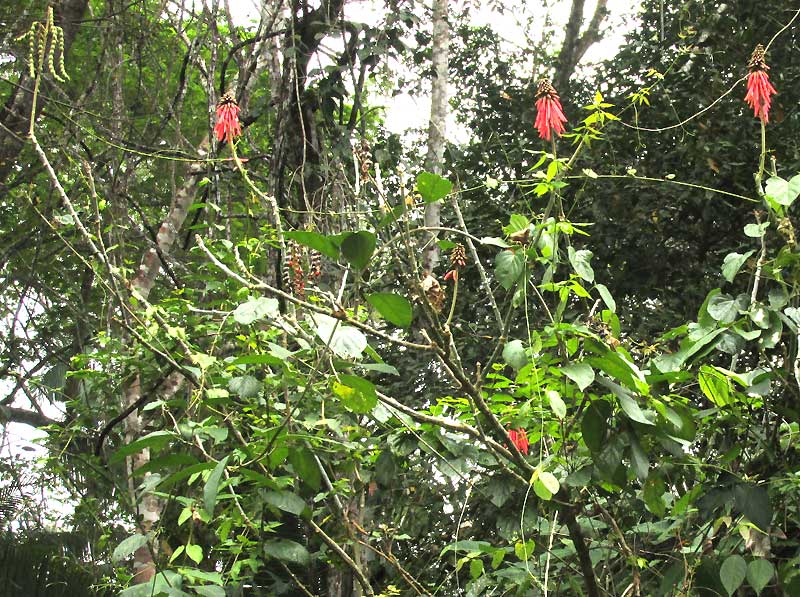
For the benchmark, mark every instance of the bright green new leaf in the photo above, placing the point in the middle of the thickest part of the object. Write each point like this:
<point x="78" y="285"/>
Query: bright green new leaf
<point x="195" y="553"/>
<point x="356" y="393"/>
<point x="556" y="404"/>
<point x="433" y="187"/>
<point x="783" y="192"/>
<point x="605" y="294"/>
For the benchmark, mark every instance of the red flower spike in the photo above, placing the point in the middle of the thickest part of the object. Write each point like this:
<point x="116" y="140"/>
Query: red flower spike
<point x="549" y="113"/>
<point x="227" y="127"/>
<point x="519" y="438"/>
<point x="759" y="89"/>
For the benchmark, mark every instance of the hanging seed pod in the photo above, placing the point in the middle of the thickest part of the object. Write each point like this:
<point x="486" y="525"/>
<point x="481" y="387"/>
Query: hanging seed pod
<point x="433" y="291"/>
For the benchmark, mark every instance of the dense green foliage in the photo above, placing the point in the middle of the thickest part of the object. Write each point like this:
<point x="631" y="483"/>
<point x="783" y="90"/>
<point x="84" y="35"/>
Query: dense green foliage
<point x="250" y="386"/>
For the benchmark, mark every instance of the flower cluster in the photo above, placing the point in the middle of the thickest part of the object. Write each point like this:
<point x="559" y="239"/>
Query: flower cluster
<point x="549" y="113"/>
<point x="458" y="259"/>
<point x="519" y="438"/>
<point x="227" y="127"/>
<point x="759" y="89"/>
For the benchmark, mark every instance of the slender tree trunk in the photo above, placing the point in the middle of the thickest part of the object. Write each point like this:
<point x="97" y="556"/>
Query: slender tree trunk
<point x="436" y="126"/>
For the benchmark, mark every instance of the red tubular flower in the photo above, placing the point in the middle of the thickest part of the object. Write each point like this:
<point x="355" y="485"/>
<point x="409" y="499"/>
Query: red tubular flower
<point x="227" y="127"/>
<point x="519" y="438"/>
<point x="452" y="275"/>
<point x="759" y="89"/>
<point x="549" y="113"/>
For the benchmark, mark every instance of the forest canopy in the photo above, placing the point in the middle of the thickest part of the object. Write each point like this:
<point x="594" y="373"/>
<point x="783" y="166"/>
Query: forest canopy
<point x="545" y="341"/>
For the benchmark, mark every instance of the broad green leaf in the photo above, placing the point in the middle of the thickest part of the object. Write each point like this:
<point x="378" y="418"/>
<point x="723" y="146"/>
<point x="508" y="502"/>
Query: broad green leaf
<point x="639" y="460"/>
<point x="127" y="547"/>
<point x="315" y="240"/>
<point x="732" y="573"/>
<point x="514" y="354"/>
<point x="245" y="386"/>
<point x="255" y="309"/>
<point x="733" y="263"/>
<point x="556" y="404"/>
<point x="286" y="501"/>
<point x="724" y="308"/>
<point x="593" y="427"/>
<point x="759" y="573"/>
<point x="494" y="242"/>
<point x="653" y="492"/>
<point x="753" y="502"/>
<point x="476" y="568"/>
<point x="358" y="248"/>
<point x="756" y="230"/>
<point x="356" y="393"/>
<point x="606" y="296"/>
<point x="195" y="553"/>
<point x="580" y="263"/>
<point x="581" y="373"/>
<point x="715" y="386"/>
<point x="392" y="307"/>
<point x="212" y="486"/>
<point x="783" y="192"/>
<point x="305" y="465"/>
<point x="524" y="550"/>
<point x="346" y="341"/>
<point x="508" y="268"/>
<point x="287" y="551"/>
<point x="210" y="591"/>
<point x="550" y="482"/>
<point x="433" y="187"/>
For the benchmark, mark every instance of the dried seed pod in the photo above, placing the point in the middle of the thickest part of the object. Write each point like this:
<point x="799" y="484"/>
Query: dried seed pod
<point x="433" y="291"/>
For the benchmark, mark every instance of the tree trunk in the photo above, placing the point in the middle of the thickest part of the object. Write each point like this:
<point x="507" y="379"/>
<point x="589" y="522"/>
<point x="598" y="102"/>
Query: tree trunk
<point x="436" y="126"/>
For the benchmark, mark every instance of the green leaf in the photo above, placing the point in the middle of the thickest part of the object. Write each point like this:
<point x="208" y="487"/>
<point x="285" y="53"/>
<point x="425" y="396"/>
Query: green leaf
<point x="210" y="591"/>
<point x="514" y="354"/>
<point x="345" y="341"/>
<point x="286" y="501"/>
<point x="782" y="191"/>
<point x="356" y="393"/>
<point x="358" y="247"/>
<point x="723" y="308"/>
<point x="556" y="404"/>
<point x="733" y="263"/>
<point x="476" y="568"/>
<point x="715" y="386"/>
<point x="245" y="386"/>
<point x="732" y="573"/>
<point x="639" y="460"/>
<point x="305" y="465"/>
<point x="212" y="486"/>
<point x="315" y="240"/>
<point x="593" y="427"/>
<point x="127" y="547"/>
<point x="606" y="296"/>
<point x="195" y="553"/>
<point x="546" y="485"/>
<point x="155" y="441"/>
<point x="288" y="551"/>
<point x="580" y="263"/>
<point x="255" y="309"/>
<point x="165" y="582"/>
<point x="392" y="307"/>
<point x="653" y="492"/>
<point x="756" y="230"/>
<point x="433" y="187"/>
<point x="753" y="502"/>
<point x="581" y="373"/>
<point x="508" y="267"/>
<point x="759" y="573"/>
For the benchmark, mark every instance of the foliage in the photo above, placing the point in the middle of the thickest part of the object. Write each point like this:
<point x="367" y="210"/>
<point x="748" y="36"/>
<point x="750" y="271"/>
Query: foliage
<point x="296" y="406"/>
